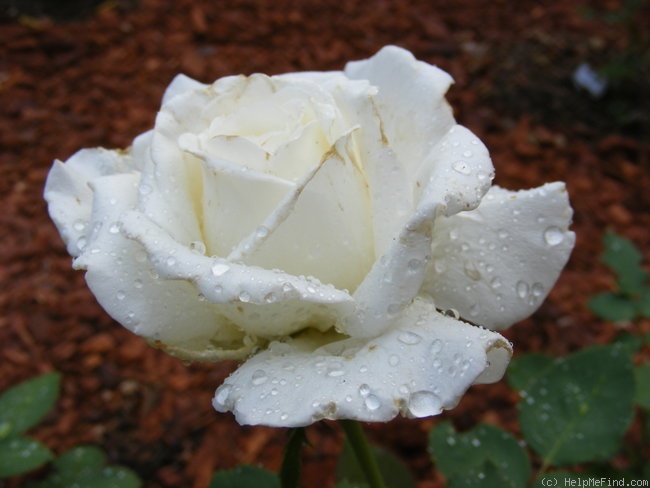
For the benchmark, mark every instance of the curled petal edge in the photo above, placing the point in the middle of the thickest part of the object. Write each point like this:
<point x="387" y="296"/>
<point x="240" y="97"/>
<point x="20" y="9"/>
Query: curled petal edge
<point x="420" y="368"/>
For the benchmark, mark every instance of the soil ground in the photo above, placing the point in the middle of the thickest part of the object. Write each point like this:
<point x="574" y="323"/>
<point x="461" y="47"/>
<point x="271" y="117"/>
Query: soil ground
<point x="69" y="81"/>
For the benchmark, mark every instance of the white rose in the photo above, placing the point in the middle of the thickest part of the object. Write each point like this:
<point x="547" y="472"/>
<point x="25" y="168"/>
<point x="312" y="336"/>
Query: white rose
<point x="315" y="225"/>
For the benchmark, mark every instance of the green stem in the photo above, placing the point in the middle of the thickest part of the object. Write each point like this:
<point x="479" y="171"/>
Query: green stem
<point x="367" y="461"/>
<point x="290" y="469"/>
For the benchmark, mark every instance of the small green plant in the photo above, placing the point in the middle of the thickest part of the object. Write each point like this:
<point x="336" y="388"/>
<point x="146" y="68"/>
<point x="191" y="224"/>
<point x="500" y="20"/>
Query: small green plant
<point x="21" y="408"/>
<point x="631" y="299"/>
<point x="573" y="413"/>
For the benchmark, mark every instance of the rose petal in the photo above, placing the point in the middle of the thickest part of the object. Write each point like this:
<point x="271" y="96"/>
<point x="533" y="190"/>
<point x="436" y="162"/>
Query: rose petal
<point x="389" y="184"/>
<point x="169" y="313"/>
<point x="496" y="264"/>
<point x="418" y="369"/>
<point x="410" y="101"/>
<point x="70" y="198"/>
<point x="326" y="221"/>
<point x="179" y="85"/>
<point x="261" y="302"/>
<point x="449" y="185"/>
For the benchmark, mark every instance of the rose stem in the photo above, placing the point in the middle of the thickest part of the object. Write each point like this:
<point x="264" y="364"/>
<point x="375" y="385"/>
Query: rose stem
<point x="367" y="461"/>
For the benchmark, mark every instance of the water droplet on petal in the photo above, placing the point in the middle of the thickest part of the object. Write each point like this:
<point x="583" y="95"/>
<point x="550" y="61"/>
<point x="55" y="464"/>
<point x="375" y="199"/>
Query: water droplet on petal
<point x="409" y="338"/>
<point x="424" y="403"/>
<point x="495" y="282"/>
<point x="393" y="360"/>
<point x="120" y="295"/>
<point x="436" y="346"/>
<point x="372" y="402"/>
<point x="219" y="269"/>
<point x="471" y="271"/>
<point x="461" y="167"/>
<point x="522" y="289"/>
<point x="114" y="228"/>
<point x="259" y="377"/>
<point x="244" y="296"/>
<point x="364" y="390"/>
<point x="82" y="243"/>
<point x="553" y="236"/>
<point x="198" y="247"/>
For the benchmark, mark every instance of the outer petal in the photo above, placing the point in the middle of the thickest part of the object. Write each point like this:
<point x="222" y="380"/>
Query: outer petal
<point x="70" y="197"/>
<point x="454" y="179"/>
<point x="418" y="369"/>
<point x="496" y="264"/>
<point x="126" y="285"/>
<point x="411" y="101"/>
<point x="261" y="302"/>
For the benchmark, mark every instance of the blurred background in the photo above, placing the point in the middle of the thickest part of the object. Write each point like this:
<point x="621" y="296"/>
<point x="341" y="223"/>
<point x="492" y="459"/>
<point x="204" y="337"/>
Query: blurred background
<point x="86" y="73"/>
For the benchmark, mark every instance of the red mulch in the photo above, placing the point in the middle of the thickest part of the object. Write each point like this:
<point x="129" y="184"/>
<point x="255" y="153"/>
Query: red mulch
<point x="97" y="81"/>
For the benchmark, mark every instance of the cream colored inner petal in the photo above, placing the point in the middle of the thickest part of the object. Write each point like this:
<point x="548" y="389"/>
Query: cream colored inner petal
<point x="328" y="234"/>
<point x="234" y="204"/>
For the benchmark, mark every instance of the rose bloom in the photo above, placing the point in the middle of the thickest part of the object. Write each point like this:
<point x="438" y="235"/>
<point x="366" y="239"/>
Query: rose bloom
<point x="336" y="231"/>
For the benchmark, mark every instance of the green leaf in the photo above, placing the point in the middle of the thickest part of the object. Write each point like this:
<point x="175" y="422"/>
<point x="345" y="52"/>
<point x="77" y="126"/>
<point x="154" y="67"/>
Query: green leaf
<point x="613" y="307"/>
<point x="523" y="370"/>
<point x="394" y="472"/>
<point x="628" y="343"/>
<point x="80" y="461"/>
<point x="644" y="303"/>
<point x="84" y="467"/>
<point x="559" y="479"/>
<point x="624" y="258"/>
<point x="485" y="476"/>
<point x="642" y="379"/>
<point x="24" y="405"/>
<point x="486" y="455"/>
<point x="21" y="454"/>
<point x="245" y="476"/>
<point x="579" y="409"/>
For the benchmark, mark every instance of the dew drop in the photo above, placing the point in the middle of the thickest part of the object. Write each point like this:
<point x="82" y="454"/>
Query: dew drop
<point x="79" y="225"/>
<point x="364" y="390"/>
<point x="503" y="234"/>
<point x="471" y="271"/>
<point x="461" y="167"/>
<point x="137" y="283"/>
<point x="409" y="338"/>
<point x="393" y="360"/>
<point x="424" y="403"/>
<point x="553" y="236"/>
<point x="495" y="283"/>
<point x="171" y="261"/>
<point x="219" y="269"/>
<point x="259" y="377"/>
<point x="372" y="403"/>
<point x="82" y="243"/>
<point x="144" y="189"/>
<point x="114" y="228"/>
<point x="198" y="247"/>
<point x="436" y="347"/>
<point x="120" y="295"/>
<point x="270" y="298"/>
<point x="522" y="289"/>
<point x="244" y="297"/>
